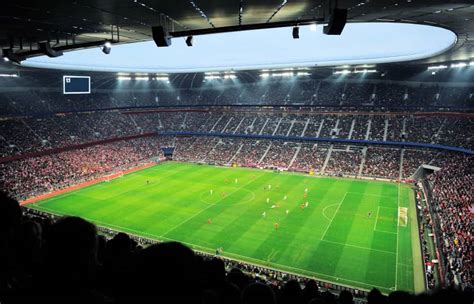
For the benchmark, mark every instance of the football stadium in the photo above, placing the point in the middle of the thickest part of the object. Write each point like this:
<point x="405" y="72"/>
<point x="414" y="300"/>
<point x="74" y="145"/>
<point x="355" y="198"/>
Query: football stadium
<point x="245" y="151"/>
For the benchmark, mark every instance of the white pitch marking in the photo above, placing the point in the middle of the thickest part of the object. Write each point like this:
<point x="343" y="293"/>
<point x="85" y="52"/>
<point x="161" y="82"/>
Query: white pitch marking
<point x="241" y="257"/>
<point x="184" y="222"/>
<point x="398" y="232"/>
<point x="335" y="213"/>
<point x="360" y="247"/>
<point x="376" y="218"/>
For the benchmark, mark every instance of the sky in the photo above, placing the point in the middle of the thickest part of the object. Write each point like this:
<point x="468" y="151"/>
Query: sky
<point x="360" y="43"/>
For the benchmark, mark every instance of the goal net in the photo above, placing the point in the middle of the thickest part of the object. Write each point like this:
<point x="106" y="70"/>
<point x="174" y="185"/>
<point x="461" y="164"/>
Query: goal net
<point x="402" y="216"/>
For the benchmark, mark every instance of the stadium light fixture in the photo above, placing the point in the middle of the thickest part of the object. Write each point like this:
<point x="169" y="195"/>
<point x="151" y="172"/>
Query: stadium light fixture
<point x="337" y="22"/>
<point x="189" y="41"/>
<point x="9" y="75"/>
<point x="142" y="78"/>
<point x="283" y="74"/>
<point x="219" y="75"/>
<point x="46" y="49"/>
<point x="161" y="78"/>
<point x="342" y="72"/>
<point x="302" y="74"/>
<point x="296" y="32"/>
<point x="459" y="65"/>
<point x="124" y="78"/>
<point x="106" y="48"/>
<point x="437" y="67"/>
<point x="265" y="75"/>
<point x="10" y="55"/>
<point x="364" y="71"/>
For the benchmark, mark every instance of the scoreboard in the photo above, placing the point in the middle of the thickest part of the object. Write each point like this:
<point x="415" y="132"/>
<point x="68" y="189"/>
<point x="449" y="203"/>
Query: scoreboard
<point x="76" y="85"/>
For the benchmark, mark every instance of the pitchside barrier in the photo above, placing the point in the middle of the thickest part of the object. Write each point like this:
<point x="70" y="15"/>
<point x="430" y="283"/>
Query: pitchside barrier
<point x="110" y="177"/>
<point x="86" y="183"/>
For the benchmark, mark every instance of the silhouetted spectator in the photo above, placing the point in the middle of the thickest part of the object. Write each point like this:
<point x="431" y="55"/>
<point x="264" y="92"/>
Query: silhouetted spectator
<point x="10" y="219"/>
<point x="291" y="293"/>
<point x="168" y="271"/>
<point x="345" y="297"/>
<point x="376" y="297"/>
<point x="258" y="293"/>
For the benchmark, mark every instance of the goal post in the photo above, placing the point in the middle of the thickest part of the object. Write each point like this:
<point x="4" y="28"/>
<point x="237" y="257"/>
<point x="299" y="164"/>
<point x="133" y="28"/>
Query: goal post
<point x="402" y="216"/>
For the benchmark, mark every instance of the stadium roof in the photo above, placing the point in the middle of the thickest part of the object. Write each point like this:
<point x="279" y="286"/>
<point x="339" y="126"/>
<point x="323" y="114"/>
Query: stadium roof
<point x="360" y="43"/>
<point x="26" y="22"/>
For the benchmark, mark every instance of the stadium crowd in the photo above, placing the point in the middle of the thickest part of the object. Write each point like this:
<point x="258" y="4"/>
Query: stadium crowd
<point x="20" y="135"/>
<point x="344" y="162"/>
<point x="38" y="120"/>
<point x="326" y="93"/>
<point x="31" y="176"/>
<point x="70" y="260"/>
<point x="383" y="163"/>
<point x="37" y="175"/>
<point x="452" y="203"/>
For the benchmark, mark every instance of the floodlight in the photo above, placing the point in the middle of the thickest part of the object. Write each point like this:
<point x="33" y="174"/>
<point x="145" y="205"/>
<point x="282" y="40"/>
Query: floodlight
<point x="459" y="65"/>
<point x="189" y="41"/>
<point x="161" y="36"/>
<point x="107" y="47"/>
<point x="337" y="22"/>
<point x="296" y="32"/>
<point x="438" y="67"/>
<point x="10" y="55"/>
<point x="46" y="49"/>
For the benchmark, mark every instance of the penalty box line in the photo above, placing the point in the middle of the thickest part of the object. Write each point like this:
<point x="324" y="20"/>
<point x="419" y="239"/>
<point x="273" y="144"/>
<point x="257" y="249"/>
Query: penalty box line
<point x="377" y="219"/>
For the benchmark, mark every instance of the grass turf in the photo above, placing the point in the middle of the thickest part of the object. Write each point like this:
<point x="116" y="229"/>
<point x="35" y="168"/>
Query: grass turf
<point x="348" y="234"/>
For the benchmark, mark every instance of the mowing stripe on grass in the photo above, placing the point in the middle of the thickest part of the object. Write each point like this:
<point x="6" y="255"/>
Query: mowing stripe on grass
<point x="333" y="243"/>
<point x="211" y="205"/>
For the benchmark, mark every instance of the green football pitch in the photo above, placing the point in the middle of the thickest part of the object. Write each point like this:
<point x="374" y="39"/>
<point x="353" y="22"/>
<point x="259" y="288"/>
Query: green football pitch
<point x="354" y="233"/>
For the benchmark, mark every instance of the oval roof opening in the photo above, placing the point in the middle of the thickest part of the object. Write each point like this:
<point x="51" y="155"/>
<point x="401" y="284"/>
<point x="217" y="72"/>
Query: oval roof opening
<point x="360" y="43"/>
